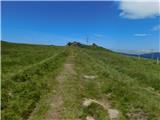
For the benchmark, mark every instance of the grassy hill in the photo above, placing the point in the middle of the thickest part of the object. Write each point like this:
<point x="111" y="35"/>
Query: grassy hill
<point x="77" y="82"/>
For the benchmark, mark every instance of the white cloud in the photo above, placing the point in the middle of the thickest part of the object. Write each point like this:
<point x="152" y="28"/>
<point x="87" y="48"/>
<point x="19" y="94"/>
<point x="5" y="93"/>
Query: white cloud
<point x="156" y="28"/>
<point x="140" y="34"/>
<point x="139" y="9"/>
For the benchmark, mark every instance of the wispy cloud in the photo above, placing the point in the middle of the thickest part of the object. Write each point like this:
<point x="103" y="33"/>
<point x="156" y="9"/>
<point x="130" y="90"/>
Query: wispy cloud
<point x="139" y="9"/>
<point x="98" y="35"/>
<point x="156" y="28"/>
<point x="140" y="34"/>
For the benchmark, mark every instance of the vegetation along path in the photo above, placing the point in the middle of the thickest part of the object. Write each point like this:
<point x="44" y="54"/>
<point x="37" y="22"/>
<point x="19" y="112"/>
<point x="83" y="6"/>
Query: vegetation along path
<point x="79" y="82"/>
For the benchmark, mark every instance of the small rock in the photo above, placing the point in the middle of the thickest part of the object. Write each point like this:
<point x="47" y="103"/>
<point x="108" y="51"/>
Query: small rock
<point x="113" y="113"/>
<point x="87" y="102"/>
<point x="89" y="117"/>
<point x="137" y="114"/>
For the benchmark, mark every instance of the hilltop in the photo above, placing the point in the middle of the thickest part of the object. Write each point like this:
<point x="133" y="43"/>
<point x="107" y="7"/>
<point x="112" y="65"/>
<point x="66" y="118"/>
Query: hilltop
<point x="77" y="82"/>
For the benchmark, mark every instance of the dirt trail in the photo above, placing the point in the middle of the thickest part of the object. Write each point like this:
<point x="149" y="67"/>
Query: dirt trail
<point x="56" y="105"/>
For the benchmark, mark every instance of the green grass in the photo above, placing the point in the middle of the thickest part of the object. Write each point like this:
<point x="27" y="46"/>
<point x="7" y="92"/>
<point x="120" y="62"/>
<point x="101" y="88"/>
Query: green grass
<point x="118" y="76"/>
<point x="131" y="85"/>
<point x="23" y="89"/>
<point x="18" y="57"/>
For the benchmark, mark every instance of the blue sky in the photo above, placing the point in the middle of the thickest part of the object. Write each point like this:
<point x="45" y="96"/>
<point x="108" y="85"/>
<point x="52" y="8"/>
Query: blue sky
<point x="115" y="25"/>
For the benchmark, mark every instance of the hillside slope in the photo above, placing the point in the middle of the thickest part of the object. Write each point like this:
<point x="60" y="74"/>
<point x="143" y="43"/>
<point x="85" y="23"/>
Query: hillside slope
<point x="26" y="75"/>
<point x="81" y="82"/>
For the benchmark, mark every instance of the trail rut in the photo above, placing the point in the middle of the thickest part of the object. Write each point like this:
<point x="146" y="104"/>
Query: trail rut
<point x="56" y="105"/>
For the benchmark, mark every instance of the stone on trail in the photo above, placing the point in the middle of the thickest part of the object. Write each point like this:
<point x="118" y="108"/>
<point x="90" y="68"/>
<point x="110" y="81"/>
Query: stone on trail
<point x="113" y="113"/>
<point x="89" y="117"/>
<point x="87" y="102"/>
<point x="137" y="114"/>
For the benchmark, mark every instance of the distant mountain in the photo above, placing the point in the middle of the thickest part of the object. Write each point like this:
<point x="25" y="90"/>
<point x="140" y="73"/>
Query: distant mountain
<point x="154" y="55"/>
<point x="151" y="55"/>
<point x="134" y="52"/>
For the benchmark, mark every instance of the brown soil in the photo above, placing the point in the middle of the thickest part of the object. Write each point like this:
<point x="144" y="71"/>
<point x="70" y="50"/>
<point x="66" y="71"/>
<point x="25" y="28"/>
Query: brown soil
<point x="56" y="105"/>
